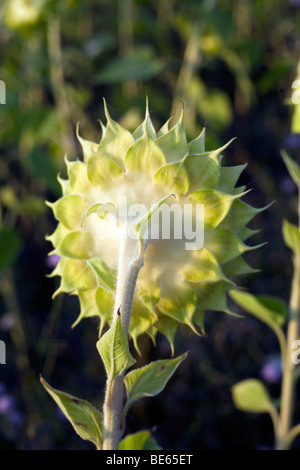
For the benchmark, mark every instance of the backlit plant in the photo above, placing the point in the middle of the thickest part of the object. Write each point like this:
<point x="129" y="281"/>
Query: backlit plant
<point x="251" y="395"/>
<point x="137" y="283"/>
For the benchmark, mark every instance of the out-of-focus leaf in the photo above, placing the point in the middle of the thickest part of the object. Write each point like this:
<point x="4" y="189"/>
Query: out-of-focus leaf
<point x="293" y="168"/>
<point x="140" y="64"/>
<point x="271" y="310"/>
<point x="141" y="440"/>
<point x="252" y="396"/>
<point x="42" y="167"/>
<point x="291" y="235"/>
<point x="9" y="199"/>
<point x="33" y="205"/>
<point x="10" y="247"/>
<point x="22" y="14"/>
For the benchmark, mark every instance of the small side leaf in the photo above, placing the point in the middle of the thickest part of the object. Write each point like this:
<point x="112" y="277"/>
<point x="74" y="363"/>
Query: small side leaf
<point x="151" y="379"/>
<point x="251" y="395"/>
<point x="142" y="224"/>
<point x="105" y="277"/>
<point x="141" y="440"/>
<point x="114" y="350"/>
<point x="293" y="168"/>
<point x="100" y="209"/>
<point x="85" y="418"/>
<point x="291" y="235"/>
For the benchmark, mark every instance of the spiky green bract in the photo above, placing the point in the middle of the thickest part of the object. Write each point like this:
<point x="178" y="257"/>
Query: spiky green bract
<point x="176" y="285"/>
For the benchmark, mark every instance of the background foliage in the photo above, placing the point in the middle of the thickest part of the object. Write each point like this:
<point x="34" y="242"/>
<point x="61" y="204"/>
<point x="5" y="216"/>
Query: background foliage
<point x="232" y="64"/>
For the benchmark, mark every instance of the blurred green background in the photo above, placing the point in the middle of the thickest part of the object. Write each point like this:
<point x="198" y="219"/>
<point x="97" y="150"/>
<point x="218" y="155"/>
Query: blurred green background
<point x="232" y="64"/>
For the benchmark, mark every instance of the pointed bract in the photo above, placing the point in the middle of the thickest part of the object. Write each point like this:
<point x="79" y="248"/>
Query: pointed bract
<point x="176" y="285"/>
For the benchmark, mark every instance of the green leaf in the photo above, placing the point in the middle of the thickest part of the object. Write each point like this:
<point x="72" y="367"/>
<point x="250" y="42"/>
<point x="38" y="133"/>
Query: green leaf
<point x="238" y="267"/>
<point x="151" y="379"/>
<point x="114" y="350"/>
<point x="197" y="146"/>
<point x="251" y="395"/>
<point x="89" y="148"/>
<point x="105" y="304"/>
<point x="142" y="224"/>
<point x="293" y="168"/>
<point x="203" y="172"/>
<point x="65" y="186"/>
<point x="141" y="440"/>
<point x="211" y="297"/>
<point x="102" y="210"/>
<point x="178" y="301"/>
<point x="57" y="235"/>
<point x="75" y="274"/>
<point x="173" y="178"/>
<point x="105" y="277"/>
<point x="88" y="307"/>
<point x="269" y="309"/>
<point x="115" y="141"/>
<point x="68" y="210"/>
<point x="164" y="129"/>
<point x="225" y="245"/>
<point x="229" y="176"/>
<point x="141" y="320"/>
<point x="77" y="245"/>
<point x="79" y="181"/>
<point x="85" y="418"/>
<point x="149" y="290"/>
<point x="168" y="327"/>
<point x="140" y="64"/>
<point x="291" y="235"/>
<point x="10" y="247"/>
<point x="203" y="267"/>
<point x="216" y="205"/>
<point x="199" y="320"/>
<point x="216" y="155"/>
<point x="239" y="216"/>
<point x="144" y="155"/>
<point x="146" y="126"/>
<point x="173" y="143"/>
<point x="102" y="170"/>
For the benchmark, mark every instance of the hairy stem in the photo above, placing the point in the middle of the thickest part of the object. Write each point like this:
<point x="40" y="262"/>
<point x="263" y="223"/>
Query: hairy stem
<point x="130" y="263"/>
<point x="287" y="397"/>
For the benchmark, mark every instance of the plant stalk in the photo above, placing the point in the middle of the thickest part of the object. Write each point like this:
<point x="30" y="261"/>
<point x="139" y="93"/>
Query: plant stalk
<point x="288" y="383"/>
<point x="129" y="265"/>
